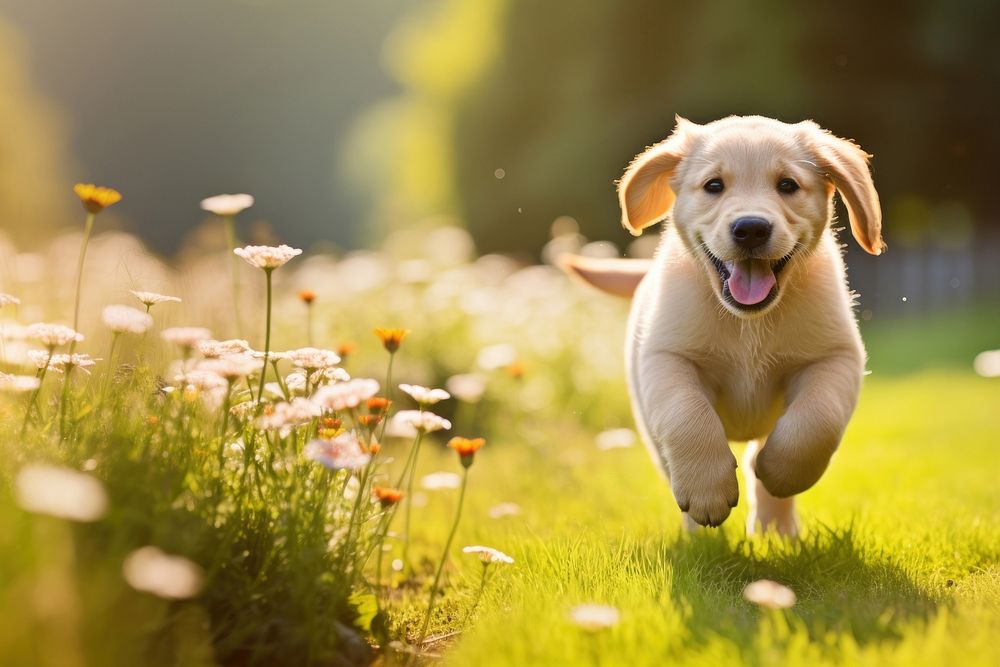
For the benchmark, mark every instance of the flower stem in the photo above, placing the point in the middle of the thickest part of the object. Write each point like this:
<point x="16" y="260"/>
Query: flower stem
<point x="88" y="227"/>
<point x="444" y="556"/>
<point x="267" y="343"/>
<point x="63" y="399"/>
<point x="479" y="596"/>
<point x="38" y="390"/>
<point x="230" y="224"/>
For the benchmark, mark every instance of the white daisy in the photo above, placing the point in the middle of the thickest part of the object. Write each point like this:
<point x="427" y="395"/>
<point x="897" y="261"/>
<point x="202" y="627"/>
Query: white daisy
<point x="313" y="359"/>
<point x="52" y="335"/>
<point x="345" y="395"/>
<point x="488" y="555"/>
<point x="468" y="387"/>
<point x="227" y="205"/>
<point x="126" y="319"/>
<point x="436" y="481"/>
<point x="421" y="420"/>
<point x="267" y="257"/>
<point x="60" y="492"/>
<point x="213" y="349"/>
<point x="171" y="577"/>
<point x="342" y="453"/>
<point x="18" y="383"/>
<point x="150" y="299"/>
<point x="424" y="396"/>
<point x="769" y="594"/>
<point x="594" y="617"/>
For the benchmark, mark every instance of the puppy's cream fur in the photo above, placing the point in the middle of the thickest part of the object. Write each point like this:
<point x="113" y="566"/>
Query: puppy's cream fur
<point x="704" y="369"/>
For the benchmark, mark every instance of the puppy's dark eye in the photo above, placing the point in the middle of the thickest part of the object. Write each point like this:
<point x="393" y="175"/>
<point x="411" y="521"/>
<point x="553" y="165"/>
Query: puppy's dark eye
<point x="714" y="186"/>
<point x="787" y="186"/>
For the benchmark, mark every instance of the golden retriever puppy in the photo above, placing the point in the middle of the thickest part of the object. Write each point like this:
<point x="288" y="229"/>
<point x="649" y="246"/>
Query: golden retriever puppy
<point x="741" y="327"/>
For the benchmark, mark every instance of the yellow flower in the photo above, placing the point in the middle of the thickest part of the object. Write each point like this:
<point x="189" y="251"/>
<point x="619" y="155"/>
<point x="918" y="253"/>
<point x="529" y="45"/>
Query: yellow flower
<point x="96" y="198"/>
<point x="391" y="338"/>
<point x="466" y="448"/>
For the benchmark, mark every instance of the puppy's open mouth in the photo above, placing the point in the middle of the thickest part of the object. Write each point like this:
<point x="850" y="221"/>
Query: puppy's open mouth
<point x="749" y="283"/>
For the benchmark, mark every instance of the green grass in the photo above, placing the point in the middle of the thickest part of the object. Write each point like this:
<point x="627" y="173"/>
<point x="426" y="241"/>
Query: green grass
<point x="899" y="563"/>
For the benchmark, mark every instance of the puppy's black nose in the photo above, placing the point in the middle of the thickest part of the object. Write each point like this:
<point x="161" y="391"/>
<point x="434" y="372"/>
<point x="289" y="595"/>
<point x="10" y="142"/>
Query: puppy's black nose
<point x="751" y="233"/>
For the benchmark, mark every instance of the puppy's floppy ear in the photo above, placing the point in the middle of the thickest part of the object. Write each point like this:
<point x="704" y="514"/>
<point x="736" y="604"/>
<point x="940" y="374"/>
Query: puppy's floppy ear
<point x="644" y="191"/>
<point x="846" y="164"/>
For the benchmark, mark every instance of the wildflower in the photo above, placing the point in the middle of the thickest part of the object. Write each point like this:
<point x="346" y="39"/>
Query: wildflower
<point x="267" y="257"/>
<point x="502" y="510"/>
<point x="615" y="438"/>
<point x="437" y="481"/>
<point x="201" y="379"/>
<point x="96" y="198"/>
<point x="468" y="387"/>
<point x="386" y="496"/>
<point x="391" y="338"/>
<point x="150" y="299"/>
<point x="60" y="492"/>
<point x="377" y="404"/>
<point x="18" y="383"/>
<point x="594" y="617"/>
<point x="227" y="205"/>
<point x="185" y="337"/>
<point x="64" y="363"/>
<point x="328" y="375"/>
<point x="295" y="382"/>
<point x="374" y="448"/>
<point x="172" y="577"/>
<point x="231" y="366"/>
<point x="52" y="335"/>
<point x="466" y="448"/>
<point x="346" y="348"/>
<point x="488" y="555"/>
<point x="125" y="319"/>
<point x="345" y="395"/>
<point x="986" y="364"/>
<point x="421" y="420"/>
<point x="344" y="452"/>
<point x="307" y="296"/>
<point x="424" y="396"/>
<point x="313" y="359"/>
<point x="369" y="421"/>
<point x="271" y="356"/>
<point x="211" y="349"/>
<point x="287" y="415"/>
<point x="9" y="300"/>
<point x="769" y="594"/>
<point x="516" y="370"/>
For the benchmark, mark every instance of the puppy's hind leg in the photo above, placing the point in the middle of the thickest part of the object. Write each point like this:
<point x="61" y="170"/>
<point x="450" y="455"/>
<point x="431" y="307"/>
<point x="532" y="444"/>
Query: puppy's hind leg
<point x="764" y="510"/>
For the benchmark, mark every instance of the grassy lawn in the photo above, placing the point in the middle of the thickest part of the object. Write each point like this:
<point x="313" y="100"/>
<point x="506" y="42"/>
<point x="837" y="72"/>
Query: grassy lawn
<point x="899" y="564"/>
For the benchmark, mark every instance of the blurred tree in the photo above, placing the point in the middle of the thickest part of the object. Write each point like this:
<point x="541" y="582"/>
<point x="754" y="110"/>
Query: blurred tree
<point x="35" y="192"/>
<point x="562" y="95"/>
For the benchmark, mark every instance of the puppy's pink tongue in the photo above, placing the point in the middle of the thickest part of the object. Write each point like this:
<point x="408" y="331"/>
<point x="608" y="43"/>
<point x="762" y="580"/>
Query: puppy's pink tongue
<point x="750" y="280"/>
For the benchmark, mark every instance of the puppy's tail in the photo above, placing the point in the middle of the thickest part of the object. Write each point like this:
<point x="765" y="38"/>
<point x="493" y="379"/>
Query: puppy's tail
<point x="619" y="277"/>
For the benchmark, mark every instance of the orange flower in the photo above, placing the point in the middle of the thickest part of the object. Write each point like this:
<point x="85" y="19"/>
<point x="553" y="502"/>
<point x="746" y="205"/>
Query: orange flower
<point x="391" y="338"/>
<point x="96" y="198"/>
<point x="345" y="348"/>
<point x="377" y="404"/>
<point x="388" y="497"/>
<point x="369" y="421"/>
<point x="307" y="296"/>
<point x="375" y="448"/>
<point x="466" y="448"/>
<point x="332" y="422"/>
<point x="516" y="369"/>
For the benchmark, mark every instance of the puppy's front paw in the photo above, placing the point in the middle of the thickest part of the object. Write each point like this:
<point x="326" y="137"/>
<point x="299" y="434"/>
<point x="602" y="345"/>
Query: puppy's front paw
<point x="786" y="470"/>
<point x="706" y="490"/>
